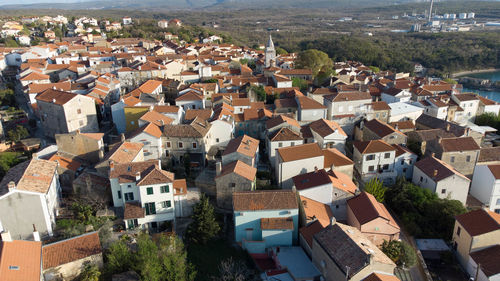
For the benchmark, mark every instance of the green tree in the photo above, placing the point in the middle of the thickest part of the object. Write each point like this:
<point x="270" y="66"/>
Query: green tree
<point x="147" y="261"/>
<point x="259" y="91"/>
<point x="11" y="42"/>
<point x="376" y="188"/>
<point x="18" y="133"/>
<point x="211" y="80"/>
<point x="375" y="69"/>
<point x="300" y="83"/>
<point x="119" y="257"/>
<point x="488" y="119"/>
<point x="173" y="258"/>
<point x="315" y="60"/>
<point x="281" y="51"/>
<point x="400" y="252"/>
<point x="243" y="61"/>
<point x="90" y="273"/>
<point x="7" y="97"/>
<point x="231" y="270"/>
<point x="7" y="161"/>
<point x="450" y="81"/>
<point x="204" y="226"/>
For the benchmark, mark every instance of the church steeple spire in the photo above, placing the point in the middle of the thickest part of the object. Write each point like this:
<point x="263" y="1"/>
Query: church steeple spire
<point x="270" y="44"/>
<point x="270" y="53"/>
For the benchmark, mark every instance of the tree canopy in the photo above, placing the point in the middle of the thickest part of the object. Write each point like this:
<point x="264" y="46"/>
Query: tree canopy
<point x="204" y="226"/>
<point x="400" y="252"/>
<point x="315" y="60"/>
<point x="376" y="188"/>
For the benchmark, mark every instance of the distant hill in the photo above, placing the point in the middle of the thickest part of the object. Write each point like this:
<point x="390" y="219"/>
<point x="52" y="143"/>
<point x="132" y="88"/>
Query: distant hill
<point x="190" y="4"/>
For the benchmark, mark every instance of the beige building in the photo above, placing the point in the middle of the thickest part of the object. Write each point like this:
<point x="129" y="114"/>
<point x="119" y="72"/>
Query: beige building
<point x="64" y="112"/>
<point x="65" y="260"/>
<point x="341" y="251"/>
<point x="376" y="130"/>
<point x="236" y="176"/>
<point x="88" y="147"/>
<point x="461" y="153"/>
<point x="474" y="231"/>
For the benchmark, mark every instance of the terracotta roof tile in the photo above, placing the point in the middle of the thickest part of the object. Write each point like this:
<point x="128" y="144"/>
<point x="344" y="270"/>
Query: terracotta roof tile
<point x="380" y="128"/>
<point x="372" y="146"/>
<point x="299" y="152"/>
<point x="333" y="157"/>
<point x="124" y="152"/>
<point x="245" y="145"/>
<point x="276" y="223"/>
<point x="156" y="118"/>
<point x="66" y="163"/>
<point x="489" y="259"/>
<point x="285" y="134"/>
<point x="204" y="114"/>
<point x="306" y="103"/>
<point x="308" y="231"/>
<point x="26" y="255"/>
<point x="489" y="154"/>
<point x="133" y="210"/>
<point x="264" y="200"/>
<point x="150" y="86"/>
<point x="240" y="168"/>
<point x="34" y="175"/>
<point x="459" y="144"/>
<point x="380" y="105"/>
<point x="54" y="96"/>
<point x="180" y="187"/>
<point x="342" y="181"/>
<point x="316" y="210"/>
<point x="70" y="250"/>
<point x="366" y="208"/>
<point x="380" y="277"/>
<point x="437" y="169"/>
<point x="325" y="127"/>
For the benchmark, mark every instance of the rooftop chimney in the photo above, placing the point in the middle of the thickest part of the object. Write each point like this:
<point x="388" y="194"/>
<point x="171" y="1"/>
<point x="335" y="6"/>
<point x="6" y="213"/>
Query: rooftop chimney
<point x="36" y="235"/>
<point x="77" y="131"/>
<point x="122" y="137"/>
<point x="448" y="127"/>
<point x="111" y="165"/>
<point x="138" y="176"/>
<point x="54" y="100"/>
<point x="34" y="155"/>
<point x="439" y="139"/>
<point x="6" y="236"/>
<point x="435" y="173"/>
<point x="11" y="185"/>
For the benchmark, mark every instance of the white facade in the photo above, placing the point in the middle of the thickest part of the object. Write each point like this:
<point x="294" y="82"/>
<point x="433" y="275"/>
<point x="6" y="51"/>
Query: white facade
<point x="454" y="187"/>
<point x="220" y="133"/>
<point x="311" y="114"/>
<point x="347" y="107"/>
<point x="272" y="146"/>
<point x="401" y="111"/>
<point x="378" y="164"/>
<point x="403" y="96"/>
<point x="191" y="104"/>
<point x="486" y="188"/>
<point x="334" y="140"/>
<point x="321" y="193"/>
<point x="285" y="171"/>
<point x="403" y="164"/>
<point x="152" y="145"/>
<point x="470" y="108"/>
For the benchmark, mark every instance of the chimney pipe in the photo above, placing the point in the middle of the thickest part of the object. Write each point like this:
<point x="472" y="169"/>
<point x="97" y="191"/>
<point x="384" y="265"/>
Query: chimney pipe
<point x="435" y="173"/>
<point x="448" y="127"/>
<point x="6" y="236"/>
<point x="138" y="176"/>
<point x="122" y="137"/>
<point x="36" y="235"/>
<point x="11" y="185"/>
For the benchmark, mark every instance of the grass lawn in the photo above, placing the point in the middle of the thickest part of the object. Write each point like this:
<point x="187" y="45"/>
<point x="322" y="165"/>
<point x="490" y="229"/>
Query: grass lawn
<point x="206" y="258"/>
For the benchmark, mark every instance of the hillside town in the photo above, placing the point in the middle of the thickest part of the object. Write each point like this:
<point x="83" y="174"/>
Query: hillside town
<point x="314" y="171"/>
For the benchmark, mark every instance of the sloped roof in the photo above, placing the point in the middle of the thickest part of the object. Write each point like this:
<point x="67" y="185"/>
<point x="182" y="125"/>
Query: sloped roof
<point x="380" y="128"/>
<point x="380" y="277"/>
<point x="489" y="259"/>
<point x="55" y="96"/>
<point x="437" y="169"/>
<point x="316" y="210"/>
<point x="66" y="163"/>
<point x="306" y="103"/>
<point x="308" y="231"/>
<point x="156" y="118"/>
<point x="33" y="175"/>
<point x="325" y="127"/>
<point x="479" y="222"/>
<point x="124" y="152"/>
<point x="26" y="255"/>
<point x="311" y="179"/>
<point x="366" y="208"/>
<point x="264" y="200"/>
<point x="240" y="168"/>
<point x="245" y="145"/>
<point x="299" y="152"/>
<point x="372" y="146"/>
<point x="459" y="144"/>
<point x="276" y="223"/>
<point x="69" y="250"/>
<point x="280" y="119"/>
<point x="336" y="158"/>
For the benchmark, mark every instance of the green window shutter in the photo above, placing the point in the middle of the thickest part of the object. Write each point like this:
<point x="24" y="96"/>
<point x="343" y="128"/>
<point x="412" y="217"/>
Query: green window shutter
<point x="169" y="204"/>
<point x="164" y="189"/>
<point x="150" y="208"/>
<point x="149" y="190"/>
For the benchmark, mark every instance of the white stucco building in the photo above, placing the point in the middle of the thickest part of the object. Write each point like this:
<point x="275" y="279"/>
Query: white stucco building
<point x="485" y="186"/>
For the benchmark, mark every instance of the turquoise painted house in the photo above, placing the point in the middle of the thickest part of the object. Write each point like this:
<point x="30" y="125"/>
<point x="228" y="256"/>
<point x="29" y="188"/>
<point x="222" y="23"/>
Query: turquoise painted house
<point x="266" y="218"/>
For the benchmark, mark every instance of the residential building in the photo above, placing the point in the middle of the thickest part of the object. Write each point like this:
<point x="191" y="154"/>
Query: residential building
<point x="66" y="259"/>
<point x="378" y="110"/>
<point x="338" y="162"/>
<point x="283" y="137"/>
<point x="485" y="264"/>
<point x="393" y="95"/>
<point x="461" y="153"/>
<point x="150" y="136"/>
<point x="19" y="259"/>
<point x="404" y="161"/>
<point x="487" y="106"/>
<point x="295" y="160"/>
<point x="378" y="130"/>
<point x="233" y="177"/>
<point x="64" y="112"/>
<point x="244" y="149"/>
<point x="346" y="103"/>
<point x="309" y="109"/>
<point x="123" y="152"/>
<point x="145" y="192"/>
<point x="485" y="186"/>
<point x="328" y="134"/>
<point x="372" y="218"/>
<point x="342" y="252"/>
<point x="266" y="218"/>
<point x="469" y="102"/>
<point x="375" y="158"/>
<point x="475" y="231"/>
<point x="441" y="178"/>
<point x="29" y="195"/>
<point x="402" y="111"/>
<point x="88" y="147"/>
<point x="419" y="139"/>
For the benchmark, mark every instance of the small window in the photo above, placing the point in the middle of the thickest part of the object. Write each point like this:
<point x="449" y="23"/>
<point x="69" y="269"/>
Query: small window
<point x="402" y="161"/>
<point x="168" y="144"/>
<point x="232" y="184"/>
<point x="292" y="143"/>
<point x="452" y="159"/>
<point x="421" y="178"/>
<point x="149" y="190"/>
<point x="498" y="201"/>
<point x="164" y="189"/>
<point x="385" y="167"/>
<point x="458" y="231"/>
<point x="370" y="157"/>
<point x="166" y="204"/>
<point x="387" y="155"/>
<point x="119" y="194"/>
<point x="195" y="145"/>
<point x="371" y="168"/>
<point x="129" y="196"/>
<point x="179" y="144"/>
<point x="79" y="111"/>
<point x="467" y="158"/>
<point x="217" y="140"/>
<point x="80" y="122"/>
<point x="280" y="144"/>
<point x="443" y="191"/>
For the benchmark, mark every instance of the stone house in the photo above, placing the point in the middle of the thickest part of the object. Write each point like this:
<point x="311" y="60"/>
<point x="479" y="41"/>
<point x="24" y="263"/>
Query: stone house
<point x="87" y="147"/>
<point x="372" y="218"/>
<point x="461" y="153"/>
<point x="244" y="149"/>
<point x="328" y="134"/>
<point x="64" y="112"/>
<point x="66" y="259"/>
<point x="67" y="170"/>
<point x="123" y="152"/>
<point x="233" y="177"/>
<point x="378" y="110"/>
<point x="418" y="139"/>
<point x="340" y="250"/>
<point x="29" y="195"/>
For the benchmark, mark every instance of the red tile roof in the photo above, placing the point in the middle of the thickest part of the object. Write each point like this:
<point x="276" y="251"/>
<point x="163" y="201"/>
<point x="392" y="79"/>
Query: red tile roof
<point x="300" y="152"/>
<point x="478" y="222"/>
<point x="26" y="255"/>
<point x="70" y="250"/>
<point x="366" y="208"/>
<point x="264" y="200"/>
